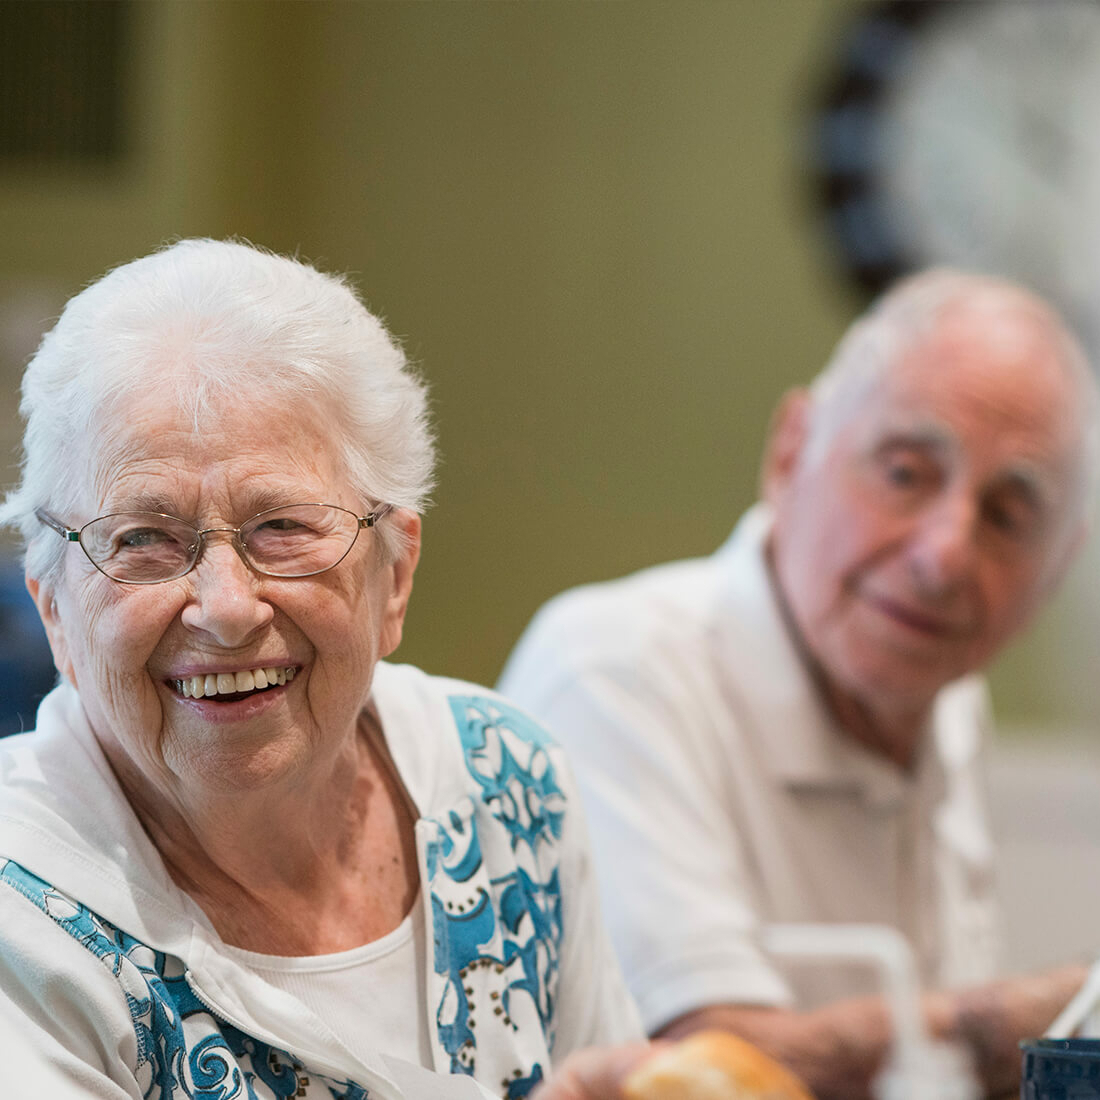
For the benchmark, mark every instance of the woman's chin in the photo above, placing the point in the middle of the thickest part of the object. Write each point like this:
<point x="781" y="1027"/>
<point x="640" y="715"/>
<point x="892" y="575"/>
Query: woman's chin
<point x="239" y="762"/>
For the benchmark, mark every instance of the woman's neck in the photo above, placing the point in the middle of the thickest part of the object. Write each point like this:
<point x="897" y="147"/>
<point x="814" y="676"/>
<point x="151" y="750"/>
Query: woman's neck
<point x="324" y="866"/>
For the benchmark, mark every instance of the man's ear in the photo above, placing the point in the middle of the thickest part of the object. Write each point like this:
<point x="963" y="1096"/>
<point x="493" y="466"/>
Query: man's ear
<point x="401" y="571"/>
<point x="43" y="596"/>
<point x="787" y="435"/>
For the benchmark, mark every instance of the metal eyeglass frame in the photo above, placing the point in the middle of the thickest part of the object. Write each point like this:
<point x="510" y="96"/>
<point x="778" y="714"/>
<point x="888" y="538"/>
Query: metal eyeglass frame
<point x="71" y="534"/>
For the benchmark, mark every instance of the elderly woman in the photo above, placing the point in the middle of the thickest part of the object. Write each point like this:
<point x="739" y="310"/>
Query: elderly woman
<point x="240" y="856"/>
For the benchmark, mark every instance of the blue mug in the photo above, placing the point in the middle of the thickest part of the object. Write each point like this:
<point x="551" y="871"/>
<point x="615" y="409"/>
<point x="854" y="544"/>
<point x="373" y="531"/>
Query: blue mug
<point x="1060" y="1069"/>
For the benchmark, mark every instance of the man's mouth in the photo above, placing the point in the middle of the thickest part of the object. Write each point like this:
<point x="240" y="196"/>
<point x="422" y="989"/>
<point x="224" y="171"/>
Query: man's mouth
<point x="233" y="685"/>
<point x="918" y="619"/>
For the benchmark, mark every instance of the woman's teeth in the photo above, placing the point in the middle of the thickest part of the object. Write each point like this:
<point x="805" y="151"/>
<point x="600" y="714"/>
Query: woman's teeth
<point x="232" y="683"/>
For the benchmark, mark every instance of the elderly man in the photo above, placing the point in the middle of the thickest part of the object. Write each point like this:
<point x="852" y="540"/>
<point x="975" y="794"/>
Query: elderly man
<point x="791" y="729"/>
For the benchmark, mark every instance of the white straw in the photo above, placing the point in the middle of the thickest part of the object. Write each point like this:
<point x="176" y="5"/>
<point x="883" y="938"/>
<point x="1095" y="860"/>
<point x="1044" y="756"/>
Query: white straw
<point x="1081" y="1004"/>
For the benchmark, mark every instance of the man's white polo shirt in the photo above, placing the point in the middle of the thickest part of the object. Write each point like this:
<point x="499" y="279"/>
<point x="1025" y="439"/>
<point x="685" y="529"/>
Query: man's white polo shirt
<point x="721" y="796"/>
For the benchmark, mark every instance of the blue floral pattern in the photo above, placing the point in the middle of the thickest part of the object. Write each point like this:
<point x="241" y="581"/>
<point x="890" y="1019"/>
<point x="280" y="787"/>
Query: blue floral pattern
<point x="183" y="1050"/>
<point x="498" y="938"/>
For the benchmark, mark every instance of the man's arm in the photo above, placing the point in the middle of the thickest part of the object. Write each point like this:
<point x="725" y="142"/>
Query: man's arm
<point x="838" y="1049"/>
<point x="597" y="1073"/>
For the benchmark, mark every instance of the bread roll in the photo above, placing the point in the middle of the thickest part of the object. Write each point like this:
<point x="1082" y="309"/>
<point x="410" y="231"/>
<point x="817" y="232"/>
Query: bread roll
<point x="712" y="1065"/>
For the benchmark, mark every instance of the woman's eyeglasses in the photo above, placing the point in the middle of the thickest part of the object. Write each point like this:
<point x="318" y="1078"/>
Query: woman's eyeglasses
<point x="299" y="540"/>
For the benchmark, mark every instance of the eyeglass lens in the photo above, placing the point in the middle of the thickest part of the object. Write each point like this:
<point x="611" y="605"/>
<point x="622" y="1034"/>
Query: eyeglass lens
<point x="284" y="542"/>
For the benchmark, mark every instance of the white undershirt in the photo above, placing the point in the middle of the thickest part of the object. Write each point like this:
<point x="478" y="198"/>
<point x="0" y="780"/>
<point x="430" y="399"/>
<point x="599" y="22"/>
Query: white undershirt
<point x="372" y="996"/>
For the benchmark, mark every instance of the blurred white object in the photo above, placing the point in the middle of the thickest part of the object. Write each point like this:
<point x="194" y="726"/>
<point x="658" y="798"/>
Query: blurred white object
<point x="918" y="1067"/>
<point x="1083" y="1005"/>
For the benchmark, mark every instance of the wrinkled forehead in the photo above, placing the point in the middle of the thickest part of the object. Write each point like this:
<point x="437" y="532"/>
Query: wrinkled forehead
<point x="160" y="436"/>
<point x="1007" y="408"/>
<point x="1002" y="370"/>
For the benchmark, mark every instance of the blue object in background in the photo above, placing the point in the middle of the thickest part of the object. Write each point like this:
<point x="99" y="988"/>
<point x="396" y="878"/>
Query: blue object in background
<point x="26" y="666"/>
<point x="1060" y="1069"/>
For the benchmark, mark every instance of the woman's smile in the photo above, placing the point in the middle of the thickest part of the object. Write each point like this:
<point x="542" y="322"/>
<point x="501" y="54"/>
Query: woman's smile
<point x="227" y="704"/>
<point x="228" y="686"/>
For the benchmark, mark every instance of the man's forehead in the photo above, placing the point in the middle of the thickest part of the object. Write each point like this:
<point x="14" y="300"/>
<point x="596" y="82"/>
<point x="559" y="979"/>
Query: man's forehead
<point x="916" y="428"/>
<point x="1044" y="464"/>
<point x="970" y="386"/>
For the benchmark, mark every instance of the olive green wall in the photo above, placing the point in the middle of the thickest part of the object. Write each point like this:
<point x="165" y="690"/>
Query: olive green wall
<point x="586" y="221"/>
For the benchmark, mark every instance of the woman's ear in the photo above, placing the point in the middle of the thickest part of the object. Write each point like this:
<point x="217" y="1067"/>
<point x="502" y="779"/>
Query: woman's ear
<point x="787" y="436"/>
<point x="46" y="602"/>
<point x="401" y="571"/>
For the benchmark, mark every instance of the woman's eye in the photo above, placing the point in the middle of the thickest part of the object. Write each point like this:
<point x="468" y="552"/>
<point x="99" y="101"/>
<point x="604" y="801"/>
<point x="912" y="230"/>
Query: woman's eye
<point x="142" y="536"/>
<point x="279" y="526"/>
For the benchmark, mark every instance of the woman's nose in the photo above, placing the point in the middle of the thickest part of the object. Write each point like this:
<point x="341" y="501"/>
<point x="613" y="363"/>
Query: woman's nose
<point x="225" y="600"/>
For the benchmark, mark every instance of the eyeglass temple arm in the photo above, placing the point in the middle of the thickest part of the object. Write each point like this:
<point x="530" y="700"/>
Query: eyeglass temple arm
<point x="371" y="518"/>
<point x="56" y="525"/>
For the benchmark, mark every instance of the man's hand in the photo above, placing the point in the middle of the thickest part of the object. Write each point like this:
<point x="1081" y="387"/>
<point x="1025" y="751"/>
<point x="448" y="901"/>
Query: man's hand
<point x="838" y="1049"/>
<point x="593" y="1074"/>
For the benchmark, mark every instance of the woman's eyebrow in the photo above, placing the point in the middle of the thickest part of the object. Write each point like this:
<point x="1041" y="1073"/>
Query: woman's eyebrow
<point x="261" y="500"/>
<point x="140" y="502"/>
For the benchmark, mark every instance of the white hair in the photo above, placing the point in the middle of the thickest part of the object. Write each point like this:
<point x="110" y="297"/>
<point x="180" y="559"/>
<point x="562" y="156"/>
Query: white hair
<point x="206" y="322"/>
<point x="908" y="313"/>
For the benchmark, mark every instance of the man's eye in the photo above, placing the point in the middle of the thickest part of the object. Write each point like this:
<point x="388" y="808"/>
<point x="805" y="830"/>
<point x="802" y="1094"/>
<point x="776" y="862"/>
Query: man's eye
<point x="1010" y="517"/>
<point x="902" y="475"/>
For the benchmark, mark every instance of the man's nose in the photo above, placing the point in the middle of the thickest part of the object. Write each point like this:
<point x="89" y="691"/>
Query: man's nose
<point x="225" y="600"/>
<point x="943" y="550"/>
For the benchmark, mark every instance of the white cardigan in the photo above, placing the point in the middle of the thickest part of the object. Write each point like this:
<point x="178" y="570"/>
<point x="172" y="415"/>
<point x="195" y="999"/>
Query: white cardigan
<point x="118" y="986"/>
